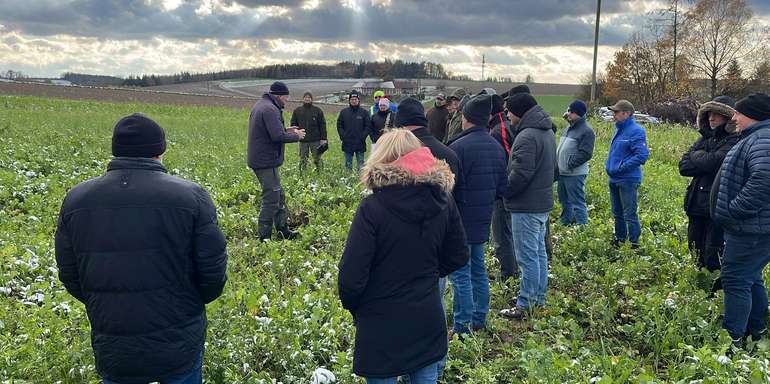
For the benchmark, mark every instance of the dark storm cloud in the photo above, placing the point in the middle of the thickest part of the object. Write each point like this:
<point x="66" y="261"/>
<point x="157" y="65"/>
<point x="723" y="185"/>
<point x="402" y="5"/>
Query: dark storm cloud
<point x="474" y="22"/>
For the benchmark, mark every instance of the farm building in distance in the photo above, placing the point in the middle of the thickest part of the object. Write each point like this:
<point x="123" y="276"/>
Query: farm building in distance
<point x="391" y="88"/>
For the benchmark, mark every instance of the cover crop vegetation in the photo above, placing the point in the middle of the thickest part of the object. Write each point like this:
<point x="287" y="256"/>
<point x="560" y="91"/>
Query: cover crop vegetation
<point x="614" y="316"/>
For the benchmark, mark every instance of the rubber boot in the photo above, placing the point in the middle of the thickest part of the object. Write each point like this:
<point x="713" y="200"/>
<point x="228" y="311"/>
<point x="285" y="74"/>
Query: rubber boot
<point x="265" y="231"/>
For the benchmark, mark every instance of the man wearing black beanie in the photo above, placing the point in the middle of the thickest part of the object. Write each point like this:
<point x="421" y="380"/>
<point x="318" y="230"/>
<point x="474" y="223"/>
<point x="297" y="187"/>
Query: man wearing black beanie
<point x="267" y="139"/>
<point x="740" y="204"/>
<point x="482" y="165"/>
<point x="529" y="198"/>
<point x="143" y="251"/>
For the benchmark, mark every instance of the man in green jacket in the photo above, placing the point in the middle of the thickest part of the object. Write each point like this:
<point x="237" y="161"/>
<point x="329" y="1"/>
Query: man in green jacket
<point x="312" y="120"/>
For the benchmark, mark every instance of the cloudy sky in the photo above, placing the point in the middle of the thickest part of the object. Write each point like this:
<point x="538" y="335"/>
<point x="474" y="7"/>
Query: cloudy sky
<point x="549" y="39"/>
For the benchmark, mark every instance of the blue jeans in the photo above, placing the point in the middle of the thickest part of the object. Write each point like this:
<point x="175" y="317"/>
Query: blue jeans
<point x="529" y="244"/>
<point x="193" y="377"/>
<point x="349" y="160"/>
<point x="424" y="375"/>
<point x="745" y="300"/>
<point x="624" y="200"/>
<point x="572" y="197"/>
<point x="471" y="292"/>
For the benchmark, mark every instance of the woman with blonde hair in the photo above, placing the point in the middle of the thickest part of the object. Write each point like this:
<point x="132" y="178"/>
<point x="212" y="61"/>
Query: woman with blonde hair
<point x="404" y="236"/>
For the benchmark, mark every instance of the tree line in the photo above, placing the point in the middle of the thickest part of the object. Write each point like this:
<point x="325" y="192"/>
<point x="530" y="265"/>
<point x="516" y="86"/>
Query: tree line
<point x="347" y="69"/>
<point x="692" y="49"/>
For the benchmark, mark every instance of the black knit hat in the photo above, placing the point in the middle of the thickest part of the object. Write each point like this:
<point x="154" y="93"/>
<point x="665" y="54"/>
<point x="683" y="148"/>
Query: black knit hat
<point x="520" y="103"/>
<point x="497" y="104"/>
<point x="138" y="136"/>
<point x="411" y="112"/>
<point x="354" y="93"/>
<point x="478" y="109"/>
<point x="755" y="106"/>
<point x="521" y="88"/>
<point x="279" y="88"/>
<point x="308" y="93"/>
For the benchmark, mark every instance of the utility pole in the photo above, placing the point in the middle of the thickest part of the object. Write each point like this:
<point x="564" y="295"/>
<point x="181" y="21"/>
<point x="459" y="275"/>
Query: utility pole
<point x="676" y="30"/>
<point x="483" y="62"/>
<point x="596" y="49"/>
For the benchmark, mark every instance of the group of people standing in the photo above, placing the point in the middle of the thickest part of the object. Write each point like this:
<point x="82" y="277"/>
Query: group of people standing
<point x="143" y="250"/>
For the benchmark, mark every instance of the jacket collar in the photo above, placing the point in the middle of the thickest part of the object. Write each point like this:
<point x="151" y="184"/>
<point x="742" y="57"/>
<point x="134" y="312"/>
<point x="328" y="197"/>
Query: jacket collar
<point x="379" y="176"/>
<point x="144" y="163"/>
<point x="470" y="131"/>
<point x="578" y="122"/>
<point x="627" y="123"/>
<point x="765" y="124"/>
<point x="273" y="100"/>
<point x="421" y="132"/>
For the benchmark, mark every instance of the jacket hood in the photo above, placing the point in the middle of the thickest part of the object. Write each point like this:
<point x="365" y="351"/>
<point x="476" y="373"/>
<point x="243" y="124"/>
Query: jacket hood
<point x="417" y="189"/>
<point x="714" y="106"/>
<point x="536" y="118"/>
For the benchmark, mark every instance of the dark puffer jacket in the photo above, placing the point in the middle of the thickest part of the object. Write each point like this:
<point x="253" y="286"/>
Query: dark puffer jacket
<point x="267" y="134"/>
<point x="482" y="161"/>
<point x="380" y="121"/>
<point x="143" y="251"/>
<point x="705" y="156"/>
<point x="353" y="126"/>
<point x="532" y="165"/>
<point x="743" y="195"/>
<point x="404" y="236"/>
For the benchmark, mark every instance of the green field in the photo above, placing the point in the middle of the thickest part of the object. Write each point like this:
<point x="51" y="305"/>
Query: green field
<point x="613" y="316"/>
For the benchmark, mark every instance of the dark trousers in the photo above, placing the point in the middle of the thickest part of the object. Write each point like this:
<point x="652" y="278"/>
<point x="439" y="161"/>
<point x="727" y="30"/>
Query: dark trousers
<point x="305" y="149"/>
<point x="502" y="237"/>
<point x="745" y="294"/>
<point x="273" y="209"/>
<point x="706" y="240"/>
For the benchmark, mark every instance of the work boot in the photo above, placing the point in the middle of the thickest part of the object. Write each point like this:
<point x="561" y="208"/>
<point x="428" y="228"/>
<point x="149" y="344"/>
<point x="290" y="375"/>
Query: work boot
<point x="265" y="231"/>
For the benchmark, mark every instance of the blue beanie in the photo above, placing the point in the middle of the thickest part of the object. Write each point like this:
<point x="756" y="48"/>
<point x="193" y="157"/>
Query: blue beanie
<point x="578" y="107"/>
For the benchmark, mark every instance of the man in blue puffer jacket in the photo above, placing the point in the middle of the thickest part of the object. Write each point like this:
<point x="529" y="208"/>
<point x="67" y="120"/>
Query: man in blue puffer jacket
<point x="482" y="163"/>
<point x="628" y="152"/>
<point x="740" y="204"/>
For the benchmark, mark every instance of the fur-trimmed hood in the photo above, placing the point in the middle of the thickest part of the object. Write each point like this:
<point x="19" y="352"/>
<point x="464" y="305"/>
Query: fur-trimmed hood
<point x="385" y="175"/>
<point x="714" y="106"/>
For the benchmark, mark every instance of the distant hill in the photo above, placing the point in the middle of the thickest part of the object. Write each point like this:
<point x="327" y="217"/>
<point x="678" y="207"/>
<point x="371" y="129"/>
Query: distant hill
<point x="93" y="80"/>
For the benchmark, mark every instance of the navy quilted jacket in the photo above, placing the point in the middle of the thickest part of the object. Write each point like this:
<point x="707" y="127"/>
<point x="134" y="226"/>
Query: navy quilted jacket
<point x="482" y="162"/>
<point x="742" y="203"/>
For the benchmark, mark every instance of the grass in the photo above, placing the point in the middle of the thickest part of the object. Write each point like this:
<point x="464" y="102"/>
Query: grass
<point x="613" y="316"/>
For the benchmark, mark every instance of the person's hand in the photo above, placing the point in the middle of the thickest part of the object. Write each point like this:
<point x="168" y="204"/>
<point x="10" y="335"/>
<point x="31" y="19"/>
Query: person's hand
<point x="300" y="133"/>
<point x="324" y="142"/>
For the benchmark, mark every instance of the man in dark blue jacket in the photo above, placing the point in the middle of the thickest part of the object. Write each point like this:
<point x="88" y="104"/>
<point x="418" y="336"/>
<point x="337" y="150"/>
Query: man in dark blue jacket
<point x="142" y="250"/>
<point x="741" y="205"/>
<point x="482" y="162"/>
<point x="267" y="139"/>
<point x="353" y="124"/>
<point x="628" y="151"/>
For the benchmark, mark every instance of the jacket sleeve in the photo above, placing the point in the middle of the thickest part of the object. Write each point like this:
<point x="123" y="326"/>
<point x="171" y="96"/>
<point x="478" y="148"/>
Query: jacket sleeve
<point x="521" y="167"/>
<point x="357" y="259"/>
<point x="367" y="124"/>
<point x="209" y="250"/>
<point x="686" y="167"/>
<point x="502" y="181"/>
<point x="755" y="194"/>
<point x="67" y="262"/>
<point x="705" y="162"/>
<point x="638" y="152"/>
<point x="454" y="250"/>
<point x="459" y="190"/>
<point x="293" y="122"/>
<point x="341" y="125"/>
<point x="322" y="124"/>
<point x="585" y="150"/>
<point x="275" y="129"/>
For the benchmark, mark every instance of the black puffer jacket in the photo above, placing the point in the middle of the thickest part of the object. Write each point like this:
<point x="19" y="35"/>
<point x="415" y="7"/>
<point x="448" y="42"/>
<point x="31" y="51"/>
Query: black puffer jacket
<point x="143" y="251"/>
<point x="403" y="237"/>
<point x="380" y="121"/>
<point x="705" y="156"/>
<point x="353" y="126"/>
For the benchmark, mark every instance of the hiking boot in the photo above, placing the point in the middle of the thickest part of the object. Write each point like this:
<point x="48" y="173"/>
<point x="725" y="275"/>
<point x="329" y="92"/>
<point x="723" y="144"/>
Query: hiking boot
<point x="516" y="313"/>
<point x="265" y="232"/>
<point x="616" y="243"/>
